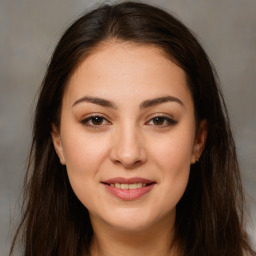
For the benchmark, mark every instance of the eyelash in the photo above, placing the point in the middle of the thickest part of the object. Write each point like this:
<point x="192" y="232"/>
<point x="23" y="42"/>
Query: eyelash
<point x="167" y="121"/>
<point x="90" y="119"/>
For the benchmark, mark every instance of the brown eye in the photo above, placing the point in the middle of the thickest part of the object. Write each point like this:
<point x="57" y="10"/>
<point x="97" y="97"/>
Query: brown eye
<point x="94" y="121"/>
<point x="158" y="120"/>
<point x="162" y="121"/>
<point x="97" y="120"/>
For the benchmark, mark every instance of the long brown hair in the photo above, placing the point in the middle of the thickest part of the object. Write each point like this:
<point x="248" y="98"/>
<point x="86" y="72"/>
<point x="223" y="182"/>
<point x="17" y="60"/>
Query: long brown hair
<point x="210" y="214"/>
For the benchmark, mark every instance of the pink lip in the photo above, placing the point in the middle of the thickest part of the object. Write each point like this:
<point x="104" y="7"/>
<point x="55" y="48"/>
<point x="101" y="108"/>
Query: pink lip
<point x="127" y="180"/>
<point x="128" y="194"/>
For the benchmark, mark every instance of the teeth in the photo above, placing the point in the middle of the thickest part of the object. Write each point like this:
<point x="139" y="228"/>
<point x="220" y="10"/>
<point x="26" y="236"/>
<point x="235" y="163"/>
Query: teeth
<point x="132" y="186"/>
<point x="129" y="186"/>
<point x="124" y="186"/>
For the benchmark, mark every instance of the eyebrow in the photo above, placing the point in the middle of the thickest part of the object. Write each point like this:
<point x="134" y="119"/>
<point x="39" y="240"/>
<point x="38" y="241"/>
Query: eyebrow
<point x="95" y="100"/>
<point x="144" y="104"/>
<point x="156" y="101"/>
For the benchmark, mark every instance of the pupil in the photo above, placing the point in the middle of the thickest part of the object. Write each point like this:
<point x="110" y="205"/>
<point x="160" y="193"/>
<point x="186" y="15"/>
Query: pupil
<point x="97" y="120"/>
<point x="158" y="120"/>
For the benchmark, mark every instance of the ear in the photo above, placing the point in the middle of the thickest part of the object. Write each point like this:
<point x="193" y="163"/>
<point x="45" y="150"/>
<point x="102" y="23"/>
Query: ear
<point x="56" y="140"/>
<point x="200" y="141"/>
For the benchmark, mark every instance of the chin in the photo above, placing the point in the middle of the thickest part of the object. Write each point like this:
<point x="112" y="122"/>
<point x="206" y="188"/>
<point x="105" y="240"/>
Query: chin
<point x="130" y="225"/>
<point x="131" y="220"/>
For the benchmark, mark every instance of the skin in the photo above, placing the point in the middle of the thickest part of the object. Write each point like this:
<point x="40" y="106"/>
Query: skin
<point x="127" y="141"/>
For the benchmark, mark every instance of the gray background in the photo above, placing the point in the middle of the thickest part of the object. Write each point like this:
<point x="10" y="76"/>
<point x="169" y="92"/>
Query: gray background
<point x="29" y="30"/>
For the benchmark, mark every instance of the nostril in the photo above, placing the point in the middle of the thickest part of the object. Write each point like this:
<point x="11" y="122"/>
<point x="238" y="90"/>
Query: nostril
<point x="128" y="156"/>
<point x="137" y="162"/>
<point x="128" y="164"/>
<point x="133" y="164"/>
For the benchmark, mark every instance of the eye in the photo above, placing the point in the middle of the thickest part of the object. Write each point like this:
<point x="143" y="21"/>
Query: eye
<point x="161" y="121"/>
<point x="95" y="120"/>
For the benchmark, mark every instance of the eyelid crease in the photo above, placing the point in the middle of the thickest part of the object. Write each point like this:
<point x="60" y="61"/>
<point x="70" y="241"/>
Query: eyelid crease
<point x="160" y="114"/>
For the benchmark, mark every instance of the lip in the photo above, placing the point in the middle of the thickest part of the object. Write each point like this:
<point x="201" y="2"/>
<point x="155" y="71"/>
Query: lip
<point x="128" y="180"/>
<point x="128" y="194"/>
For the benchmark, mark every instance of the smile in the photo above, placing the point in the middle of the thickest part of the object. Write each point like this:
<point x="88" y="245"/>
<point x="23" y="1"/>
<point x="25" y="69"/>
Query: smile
<point x="128" y="189"/>
<point x="128" y="186"/>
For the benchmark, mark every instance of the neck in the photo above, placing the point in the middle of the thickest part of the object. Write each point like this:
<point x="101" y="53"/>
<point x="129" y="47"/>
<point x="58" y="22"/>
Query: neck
<point x="156" y="240"/>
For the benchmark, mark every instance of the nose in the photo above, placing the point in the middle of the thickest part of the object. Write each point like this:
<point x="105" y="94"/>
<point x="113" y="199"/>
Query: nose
<point x="128" y="148"/>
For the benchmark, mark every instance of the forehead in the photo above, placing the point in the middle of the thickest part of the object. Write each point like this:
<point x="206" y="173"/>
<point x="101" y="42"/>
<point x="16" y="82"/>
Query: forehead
<point x="118" y="69"/>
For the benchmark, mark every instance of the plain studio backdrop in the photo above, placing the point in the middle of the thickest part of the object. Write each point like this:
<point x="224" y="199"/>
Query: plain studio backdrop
<point x="29" y="31"/>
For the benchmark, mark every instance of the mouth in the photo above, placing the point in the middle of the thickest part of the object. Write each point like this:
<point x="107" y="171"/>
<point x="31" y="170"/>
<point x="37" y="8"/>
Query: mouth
<point x="128" y="188"/>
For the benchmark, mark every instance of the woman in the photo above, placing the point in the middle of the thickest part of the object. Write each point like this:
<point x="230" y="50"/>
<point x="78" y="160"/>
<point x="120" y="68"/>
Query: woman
<point x="132" y="150"/>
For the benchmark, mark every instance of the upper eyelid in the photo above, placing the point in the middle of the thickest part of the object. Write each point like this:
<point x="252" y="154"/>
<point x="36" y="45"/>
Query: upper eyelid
<point x="85" y="120"/>
<point x="149" y="118"/>
<point x="169" y="120"/>
<point x="95" y="115"/>
<point x="160" y="115"/>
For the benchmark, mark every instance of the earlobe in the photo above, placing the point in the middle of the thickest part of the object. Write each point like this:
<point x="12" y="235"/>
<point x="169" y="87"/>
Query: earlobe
<point x="56" y="140"/>
<point x="200" y="141"/>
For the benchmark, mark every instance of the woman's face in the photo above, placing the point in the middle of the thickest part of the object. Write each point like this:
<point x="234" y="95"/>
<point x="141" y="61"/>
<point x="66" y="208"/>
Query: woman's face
<point x="127" y="135"/>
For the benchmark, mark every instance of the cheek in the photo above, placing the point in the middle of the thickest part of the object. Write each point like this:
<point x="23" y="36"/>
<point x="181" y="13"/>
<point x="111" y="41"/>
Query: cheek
<point x="175" y="151"/>
<point x="84" y="155"/>
<point x="175" y="165"/>
<point x="83" y="152"/>
<point x="172" y="156"/>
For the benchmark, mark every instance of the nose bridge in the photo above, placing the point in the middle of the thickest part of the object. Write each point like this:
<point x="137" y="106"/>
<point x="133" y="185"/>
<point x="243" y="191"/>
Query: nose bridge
<point x="128" y="149"/>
